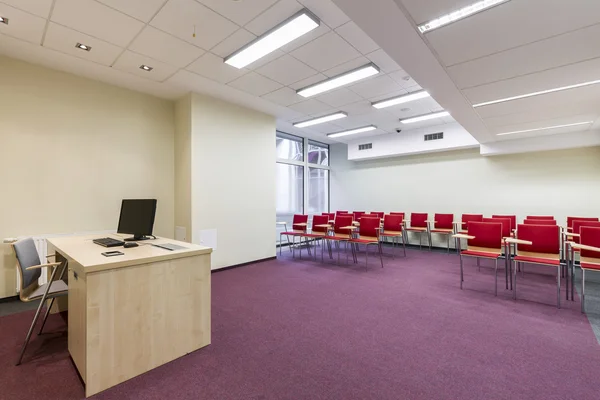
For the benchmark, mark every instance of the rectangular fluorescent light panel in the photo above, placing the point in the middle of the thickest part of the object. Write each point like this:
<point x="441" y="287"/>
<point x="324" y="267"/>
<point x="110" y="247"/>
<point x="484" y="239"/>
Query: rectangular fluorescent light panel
<point x="401" y="99"/>
<point x="4" y="20"/>
<point x="289" y="30"/>
<point x="524" y="96"/>
<point x="320" y="120"/>
<point x="353" y="131"/>
<point x="459" y="14"/>
<point x="425" y="117"/>
<point x="340" y="80"/>
<point x="546" y="128"/>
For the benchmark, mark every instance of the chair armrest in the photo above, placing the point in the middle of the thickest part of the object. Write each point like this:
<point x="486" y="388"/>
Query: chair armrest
<point x="348" y="227"/>
<point x="430" y="221"/>
<point x="570" y="234"/>
<point x="517" y="241"/>
<point x="301" y="224"/>
<point x="463" y="236"/>
<point x="322" y="226"/>
<point x="54" y="264"/>
<point x="281" y="223"/>
<point x="458" y="223"/>
<point x="585" y="247"/>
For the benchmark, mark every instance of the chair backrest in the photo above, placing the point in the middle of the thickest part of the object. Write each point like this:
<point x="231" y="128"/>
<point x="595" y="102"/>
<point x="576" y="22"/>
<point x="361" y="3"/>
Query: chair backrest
<point x="417" y="220"/>
<point x="369" y="227"/>
<point x="545" y="239"/>
<point x="571" y="219"/>
<point x="320" y="220"/>
<point x="488" y="235"/>
<point x="398" y="213"/>
<point x="505" y="224"/>
<point x="590" y="236"/>
<point x="375" y="214"/>
<point x="331" y="216"/>
<point x="513" y="220"/>
<point x="27" y="256"/>
<point x="578" y="224"/>
<point x="357" y="214"/>
<point x="341" y="212"/>
<point x="466" y="218"/>
<point x="392" y="222"/>
<point x="539" y="222"/>
<point x="539" y="217"/>
<point x="299" y="219"/>
<point x="444" y="221"/>
<point x="341" y="221"/>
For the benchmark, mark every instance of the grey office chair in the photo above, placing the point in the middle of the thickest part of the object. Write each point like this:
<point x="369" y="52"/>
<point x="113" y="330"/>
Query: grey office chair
<point x="29" y="267"/>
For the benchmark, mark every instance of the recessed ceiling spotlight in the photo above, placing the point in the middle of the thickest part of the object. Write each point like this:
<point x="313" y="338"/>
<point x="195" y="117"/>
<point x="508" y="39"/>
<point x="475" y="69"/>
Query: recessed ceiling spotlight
<point x="340" y="80"/>
<point x="400" y="99"/>
<point x="425" y="117"/>
<point x="320" y="120"/>
<point x="546" y="128"/>
<point x="4" y="20"/>
<point x="297" y="25"/>
<point x="146" y="68"/>
<point x="83" y="47"/>
<point x="459" y="14"/>
<point x="353" y="131"/>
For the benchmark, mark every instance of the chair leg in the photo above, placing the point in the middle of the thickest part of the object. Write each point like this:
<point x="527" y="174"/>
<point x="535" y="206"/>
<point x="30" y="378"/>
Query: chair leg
<point x="448" y="244"/>
<point x="403" y="245"/>
<point x="46" y="316"/>
<point x="516" y="267"/>
<point x="37" y="313"/>
<point x="420" y="240"/>
<point x="366" y="257"/>
<point x="496" y="279"/>
<point x="582" y="291"/>
<point x="461" y="273"/>
<point x="280" y="244"/>
<point x="381" y="254"/>
<point x="558" y="273"/>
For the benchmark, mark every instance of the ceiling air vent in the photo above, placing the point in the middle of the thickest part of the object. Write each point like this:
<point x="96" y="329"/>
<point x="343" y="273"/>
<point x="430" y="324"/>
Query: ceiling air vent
<point x="365" y="146"/>
<point x="434" y="136"/>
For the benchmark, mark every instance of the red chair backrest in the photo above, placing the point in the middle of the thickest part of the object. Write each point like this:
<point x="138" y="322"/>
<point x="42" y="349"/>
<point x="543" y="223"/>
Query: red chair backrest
<point x="466" y="218"/>
<point x="341" y="221"/>
<point x="571" y="219"/>
<point x="299" y="219"/>
<point x="539" y="222"/>
<point x="320" y="220"/>
<point x="393" y="222"/>
<point x="357" y="214"/>
<point x="444" y="221"/>
<point x="487" y="235"/>
<point x="369" y="227"/>
<point x="544" y="238"/>
<point x="578" y="224"/>
<point x="513" y="220"/>
<point x="341" y="212"/>
<point x="377" y="214"/>
<point x="331" y="216"/>
<point x="590" y="236"/>
<point x="398" y="213"/>
<point x="505" y="224"/>
<point x="417" y="220"/>
<point x="539" y="217"/>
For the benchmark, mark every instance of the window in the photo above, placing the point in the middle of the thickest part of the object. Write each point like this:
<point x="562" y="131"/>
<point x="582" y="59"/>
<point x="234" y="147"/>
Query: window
<point x="302" y="178"/>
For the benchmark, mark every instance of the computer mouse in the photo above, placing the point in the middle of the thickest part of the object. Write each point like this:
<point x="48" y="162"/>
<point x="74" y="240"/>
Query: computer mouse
<point x="130" y="244"/>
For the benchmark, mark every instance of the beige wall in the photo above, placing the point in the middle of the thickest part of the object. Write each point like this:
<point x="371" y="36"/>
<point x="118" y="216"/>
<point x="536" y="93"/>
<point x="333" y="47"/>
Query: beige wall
<point x="183" y="165"/>
<point x="72" y="148"/>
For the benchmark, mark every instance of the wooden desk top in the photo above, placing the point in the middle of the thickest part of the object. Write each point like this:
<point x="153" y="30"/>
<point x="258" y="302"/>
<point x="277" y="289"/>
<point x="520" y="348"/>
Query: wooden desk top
<point x="83" y="251"/>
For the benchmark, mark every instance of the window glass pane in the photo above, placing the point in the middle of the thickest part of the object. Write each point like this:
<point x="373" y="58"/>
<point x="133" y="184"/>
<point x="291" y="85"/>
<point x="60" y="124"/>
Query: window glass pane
<point x="318" y="190"/>
<point x="289" y="147"/>
<point x="289" y="187"/>
<point x="318" y="153"/>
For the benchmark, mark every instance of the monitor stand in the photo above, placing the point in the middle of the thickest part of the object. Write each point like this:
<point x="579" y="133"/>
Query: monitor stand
<point x="136" y="238"/>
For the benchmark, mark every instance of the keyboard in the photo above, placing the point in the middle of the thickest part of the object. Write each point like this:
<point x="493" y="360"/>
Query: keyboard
<point x="109" y="242"/>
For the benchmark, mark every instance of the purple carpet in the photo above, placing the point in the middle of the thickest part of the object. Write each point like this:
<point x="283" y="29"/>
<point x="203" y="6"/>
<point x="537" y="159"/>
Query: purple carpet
<point x="291" y="329"/>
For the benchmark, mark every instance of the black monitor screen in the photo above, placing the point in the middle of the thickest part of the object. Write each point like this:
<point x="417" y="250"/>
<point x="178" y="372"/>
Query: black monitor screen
<point x="137" y="217"/>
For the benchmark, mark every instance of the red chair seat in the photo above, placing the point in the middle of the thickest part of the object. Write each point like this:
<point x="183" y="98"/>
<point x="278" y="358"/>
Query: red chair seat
<point x="314" y="235"/>
<point x="590" y="266"/>
<point x="442" y="231"/>
<point x="482" y="254"/>
<point x="391" y="233"/>
<point x="536" y="260"/>
<point x="365" y="240"/>
<point x="293" y="233"/>
<point x="337" y="237"/>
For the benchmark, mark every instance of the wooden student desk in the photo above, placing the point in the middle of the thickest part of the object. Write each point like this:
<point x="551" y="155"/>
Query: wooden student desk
<point x="129" y="314"/>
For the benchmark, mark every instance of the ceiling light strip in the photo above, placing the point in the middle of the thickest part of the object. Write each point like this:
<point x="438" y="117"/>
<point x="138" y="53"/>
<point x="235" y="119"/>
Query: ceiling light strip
<point x="524" y="96"/>
<point x="352" y="131"/>
<point x="546" y="128"/>
<point x="425" y="117"/>
<point x="460" y="14"/>
<point x="340" y="80"/>
<point x="320" y="120"/>
<point x="297" y="25"/>
<point x="400" y="99"/>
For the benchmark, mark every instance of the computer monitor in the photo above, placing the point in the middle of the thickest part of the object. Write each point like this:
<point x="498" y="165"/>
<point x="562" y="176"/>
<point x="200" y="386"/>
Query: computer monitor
<point x="137" y="218"/>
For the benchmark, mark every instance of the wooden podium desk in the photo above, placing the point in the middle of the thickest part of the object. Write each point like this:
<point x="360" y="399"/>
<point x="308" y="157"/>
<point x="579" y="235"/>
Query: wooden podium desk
<point x="129" y="314"/>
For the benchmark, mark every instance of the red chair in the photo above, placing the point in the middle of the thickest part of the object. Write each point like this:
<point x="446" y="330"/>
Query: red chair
<point x="539" y="222"/>
<point x="590" y="255"/>
<point x="573" y="237"/>
<point x="368" y="234"/>
<point x="513" y="220"/>
<point x="571" y="219"/>
<point x="357" y="215"/>
<point x="377" y="214"/>
<point x="484" y="241"/>
<point x="330" y="215"/>
<point x="539" y="217"/>
<point x="578" y="224"/>
<point x="393" y="227"/>
<point x="466" y="218"/>
<point x="506" y="225"/>
<point x="340" y="212"/>
<point x="320" y="229"/>
<point x="299" y="225"/>
<point x="544" y="250"/>
<point x="443" y="224"/>
<point x="341" y="233"/>
<point x="418" y="223"/>
<point x="398" y="213"/>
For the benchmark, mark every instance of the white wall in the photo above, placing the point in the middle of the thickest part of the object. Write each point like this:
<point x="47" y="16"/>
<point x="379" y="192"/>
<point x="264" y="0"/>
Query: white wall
<point x="72" y="148"/>
<point x="233" y="180"/>
<point x="183" y="165"/>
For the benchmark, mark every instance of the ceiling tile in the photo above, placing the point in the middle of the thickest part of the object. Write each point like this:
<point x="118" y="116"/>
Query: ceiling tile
<point x="64" y="40"/>
<point x="357" y="38"/>
<point x="359" y="108"/>
<point x="286" y="70"/>
<point x="325" y="128"/>
<point x="326" y="52"/>
<point x="284" y="96"/>
<point x="40" y="8"/>
<point x="377" y="86"/>
<point x="130" y="62"/>
<point x="240" y="12"/>
<point x="141" y="9"/>
<point x="236" y="41"/>
<point x="389" y="95"/>
<point x="178" y="17"/>
<point x="310" y="106"/>
<point x="403" y="79"/>
<point x="347" y="66"/>
<point x="307" y="82"/>
<point x="327" y="11"/>
<point x="164" y="47"/>
<point x="272" y="17"/>
<point x="96" y="20"/>
<point x="383" y="61"/>
<point x="339" y="97"/>
<point x="213" y="67"/>
<point x="22" y="25"/>
<point x="255" y="84"/>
